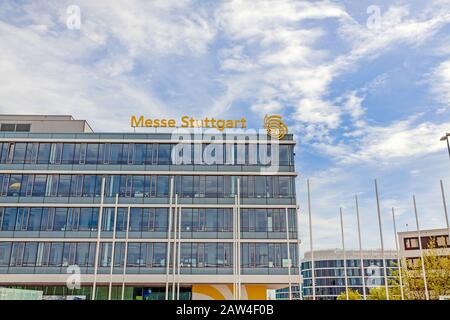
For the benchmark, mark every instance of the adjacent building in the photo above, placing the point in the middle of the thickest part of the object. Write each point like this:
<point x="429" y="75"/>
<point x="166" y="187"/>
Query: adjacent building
<point x="113" y="216"/>
<point x="330" y="272"/>
<point x="437" y="239"/>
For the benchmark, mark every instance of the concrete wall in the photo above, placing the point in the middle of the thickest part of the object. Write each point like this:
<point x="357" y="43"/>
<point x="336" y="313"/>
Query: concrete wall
<point x="49" y="124"/>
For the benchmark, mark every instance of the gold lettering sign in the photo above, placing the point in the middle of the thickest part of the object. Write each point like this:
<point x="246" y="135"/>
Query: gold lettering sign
<point x="188" y="122"/>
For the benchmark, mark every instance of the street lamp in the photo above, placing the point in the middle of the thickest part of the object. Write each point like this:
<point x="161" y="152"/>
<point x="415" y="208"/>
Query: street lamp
<point x="446" y="139"/>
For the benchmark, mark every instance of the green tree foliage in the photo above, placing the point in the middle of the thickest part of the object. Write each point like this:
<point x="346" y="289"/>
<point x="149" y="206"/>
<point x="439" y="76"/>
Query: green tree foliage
<point x="437" y="267"/>
<point x="352" y="295"/>
<point x="378" y="293"/>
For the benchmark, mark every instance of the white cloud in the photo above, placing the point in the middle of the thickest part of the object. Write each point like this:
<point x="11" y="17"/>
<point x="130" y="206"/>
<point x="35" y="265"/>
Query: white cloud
<point x="336" y="187"/>
<point x="397" y="27"/>
<point x="353" y="105"/>
<point x="264" y="108"/>
<point x="402" y="139"/>
<point x="288" y="57"/>
<point x="260" y="20"/>
<point x="159" y="27"/>
<point x="235" y="60"/>
<point x="312" y="110"/>
<point x="406" y="139"/>
<point x="46" y="68"/>
<point x="287" y="69"/>
<point x="440" y="82"/>
<point x="292" y="69"/>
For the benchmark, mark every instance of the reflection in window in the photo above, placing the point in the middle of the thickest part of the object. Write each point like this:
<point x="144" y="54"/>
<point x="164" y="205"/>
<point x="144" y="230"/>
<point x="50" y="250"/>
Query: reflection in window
<point x="92" y="153"/>
<point x="5" y="252"/>
<point x="44" y="153"/>
<point x="116" y="153"/>
<point x="138" y="186"/>
<point x="164" y="153"/>
<point x="19" y="152"/>
<point x="68" y="153"/>
<point x="162" y="187"/>
<point x="105" y="255"/>
<point x="206" y="255"/>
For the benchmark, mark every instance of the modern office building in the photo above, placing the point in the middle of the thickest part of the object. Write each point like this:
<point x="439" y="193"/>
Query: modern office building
<point x="432" y="238"/>
<point x="286" y="294"/>
<point x="87" y="215"/>
<point x="330" y="272"/>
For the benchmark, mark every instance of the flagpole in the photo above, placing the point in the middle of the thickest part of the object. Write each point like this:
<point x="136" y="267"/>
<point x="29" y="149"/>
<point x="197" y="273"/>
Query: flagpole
<point x="398" y="256"/>
<point x="360" y="249"/>
<point x="311" y="241"/>
<point x="381" y="239"/>
<point x="445" y="209"/>
<point x="427" y="295"/>
<point x="345" y="255"/>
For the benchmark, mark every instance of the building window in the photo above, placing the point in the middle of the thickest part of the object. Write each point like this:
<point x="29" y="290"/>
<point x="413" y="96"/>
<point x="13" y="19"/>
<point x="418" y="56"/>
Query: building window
<point x="5" y="251"/>
<point x="164" y="154"/>
<point x="11" y="127"/>
<point x="105" y="255"/>
<point x="15" y="127"/>
<point x="442" y="241"/>
<point x="23" y="127"/>
<point x="56" y="253"/>
<point x="68" y="153"/>
<point x="411" y="243"/>
<point x="19" y="153"/>
<point x="144" y="153"/>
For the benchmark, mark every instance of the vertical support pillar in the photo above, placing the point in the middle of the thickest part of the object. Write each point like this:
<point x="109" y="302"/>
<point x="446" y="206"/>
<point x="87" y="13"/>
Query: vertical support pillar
<point x="169" y="233"/>
<point x="238" y="216"/>
<point x="288" y="254"/>
<point x="99" y="232"/>
<point x="111" y="269"/>
<point x="175" y="235"/>
<point x="300" y="283"/>
<point x="125" y="258"/>
<point x="179" y="251"/>
<point x="235" y="248"/>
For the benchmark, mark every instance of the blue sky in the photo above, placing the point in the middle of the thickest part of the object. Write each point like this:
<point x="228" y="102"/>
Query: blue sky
<point x="366" y="95"/>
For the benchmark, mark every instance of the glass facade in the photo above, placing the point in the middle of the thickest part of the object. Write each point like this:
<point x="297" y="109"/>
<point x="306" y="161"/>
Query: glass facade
<point x="330" y="276"/>
<point x="52" y="292"/>
<point x="264" y="223"/>
<point x="120" y="206"/>
<point x="127" y="153"/>
<point x="144" y="186"/>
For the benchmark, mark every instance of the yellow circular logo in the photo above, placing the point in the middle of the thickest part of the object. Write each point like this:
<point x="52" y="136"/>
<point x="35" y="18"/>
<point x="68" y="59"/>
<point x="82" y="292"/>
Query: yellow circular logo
<point x="275" y="127"/>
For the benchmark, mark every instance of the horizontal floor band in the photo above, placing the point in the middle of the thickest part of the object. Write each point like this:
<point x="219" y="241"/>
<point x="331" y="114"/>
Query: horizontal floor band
<point x="147" y="173"/>
<point x="146" y="205"/>
<point x="147" y="240"/>
<point x="146" y="141"/>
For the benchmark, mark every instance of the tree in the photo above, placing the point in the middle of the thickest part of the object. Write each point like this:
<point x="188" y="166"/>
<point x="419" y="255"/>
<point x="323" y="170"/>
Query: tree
<point x="352" y="295"/>
<point x="437" y="268"/>
<point x="379" y="293"/>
